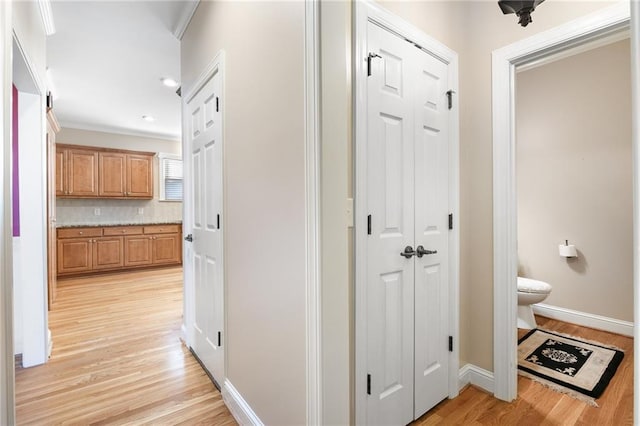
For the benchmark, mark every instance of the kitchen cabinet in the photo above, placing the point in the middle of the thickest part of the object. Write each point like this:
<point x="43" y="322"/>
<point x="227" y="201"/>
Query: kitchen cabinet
<point x="85" y="250"/>
<point x="76" y="172"/>
<point x="89" y="172"/>
<point x="125" y="175"/>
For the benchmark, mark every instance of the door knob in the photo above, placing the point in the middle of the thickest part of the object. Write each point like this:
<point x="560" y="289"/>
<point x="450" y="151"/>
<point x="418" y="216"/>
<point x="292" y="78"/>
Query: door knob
<point x="189" y="238"/>
<point x="420" y="251"/>
<point x="408" y="252"/>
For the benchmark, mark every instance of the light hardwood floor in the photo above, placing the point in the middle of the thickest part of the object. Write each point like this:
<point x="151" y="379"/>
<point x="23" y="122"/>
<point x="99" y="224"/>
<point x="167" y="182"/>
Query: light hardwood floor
<point x="538" y="405"/>
<point x="118" y="359"/>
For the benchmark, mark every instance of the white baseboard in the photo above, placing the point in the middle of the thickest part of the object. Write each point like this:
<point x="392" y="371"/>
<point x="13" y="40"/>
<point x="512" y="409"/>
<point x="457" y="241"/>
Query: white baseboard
<point x="584" y="319"/>
<point x="471" y="374"/>
<point x="239" y="408"/>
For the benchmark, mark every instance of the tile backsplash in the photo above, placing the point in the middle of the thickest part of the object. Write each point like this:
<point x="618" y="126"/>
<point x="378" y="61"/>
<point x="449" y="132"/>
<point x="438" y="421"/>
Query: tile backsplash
<point x="82" y="211"/>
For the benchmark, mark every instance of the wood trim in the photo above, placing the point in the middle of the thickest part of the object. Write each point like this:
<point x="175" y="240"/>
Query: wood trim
<point x="504" y="61"/>
<point x="312" y="214"/>
<point x="473" y="375"/>
<point x="585" y="319"/>
<point x="238" y="406"/>
<point x="53" y="121"/>
<point x="47" y="17"/>
<point x="369" y="11"/>
<point x="7" y="367"/>
<point x="187" y="15"/>
<point x="635" y="123"/>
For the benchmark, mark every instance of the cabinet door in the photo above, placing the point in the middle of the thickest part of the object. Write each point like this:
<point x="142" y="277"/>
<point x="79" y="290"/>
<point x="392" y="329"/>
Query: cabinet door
<point x="167" y="249"/>
<point x="137" y="250"/>
<point x="108" y="253"/>
<point x="61" y="172"/>
<point x="82" y="166"/>
<point x="112" y="174"/>
<point x="75" y="255"/>
<point x="139" y="176"/>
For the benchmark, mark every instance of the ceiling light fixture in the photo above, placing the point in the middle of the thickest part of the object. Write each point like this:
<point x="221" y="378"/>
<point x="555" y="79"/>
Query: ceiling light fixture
<point x="169" y="82"/>
<point x="148" y="118"/>
<point x="522" y="8"/>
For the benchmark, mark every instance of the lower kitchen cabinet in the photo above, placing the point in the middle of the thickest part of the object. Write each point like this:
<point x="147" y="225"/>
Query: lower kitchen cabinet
<point x="96" y="249"/>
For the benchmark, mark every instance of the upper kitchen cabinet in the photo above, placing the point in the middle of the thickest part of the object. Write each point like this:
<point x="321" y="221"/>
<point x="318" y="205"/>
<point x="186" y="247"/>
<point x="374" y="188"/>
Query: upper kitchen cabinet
<point x="117" y="173"/>
<point x="76" y="172"/>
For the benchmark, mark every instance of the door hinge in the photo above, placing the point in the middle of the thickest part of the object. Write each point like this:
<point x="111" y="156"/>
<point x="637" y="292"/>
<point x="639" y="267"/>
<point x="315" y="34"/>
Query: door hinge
<point x="368" y="384"/>
<point x="450" y="221"/>
<point x="218" y="222"/>
<point x="369" y="57"/>
<point x="369" y="225"/>
<point x="218" y="104"/>
<point x="450" y="98"/>
<point x="219" y="338"/>
<point x="450" y="343"/>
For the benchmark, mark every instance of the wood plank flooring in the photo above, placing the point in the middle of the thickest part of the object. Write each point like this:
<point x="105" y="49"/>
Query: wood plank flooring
<point x="117" y="358"/>
<point x="538" y="405"/>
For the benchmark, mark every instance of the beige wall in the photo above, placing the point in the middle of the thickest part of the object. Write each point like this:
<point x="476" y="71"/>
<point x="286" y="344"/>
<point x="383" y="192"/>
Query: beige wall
<point x="488" y="29"/>
<point x="81" y="211"/>
<point x="337" y="236"/>
<point x="574" y="179"/>
<point x="264" y="188"/>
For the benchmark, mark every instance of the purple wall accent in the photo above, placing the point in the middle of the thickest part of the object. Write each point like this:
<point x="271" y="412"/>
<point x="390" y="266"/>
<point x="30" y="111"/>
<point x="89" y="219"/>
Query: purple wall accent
<point x="16" y="170"/>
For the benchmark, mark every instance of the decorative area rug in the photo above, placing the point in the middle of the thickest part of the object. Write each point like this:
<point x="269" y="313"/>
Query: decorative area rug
<point x="579" y="368"/>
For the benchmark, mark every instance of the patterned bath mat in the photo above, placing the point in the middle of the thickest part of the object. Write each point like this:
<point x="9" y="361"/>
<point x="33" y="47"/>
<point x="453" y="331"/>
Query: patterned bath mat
<point x="566" y="364"/>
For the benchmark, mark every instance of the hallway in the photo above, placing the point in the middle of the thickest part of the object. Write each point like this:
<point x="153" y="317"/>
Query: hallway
<point x="117" y="357"/>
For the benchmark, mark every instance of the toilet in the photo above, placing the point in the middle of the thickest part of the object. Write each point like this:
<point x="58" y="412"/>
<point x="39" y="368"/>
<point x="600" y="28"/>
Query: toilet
<point x="530" y="292"/>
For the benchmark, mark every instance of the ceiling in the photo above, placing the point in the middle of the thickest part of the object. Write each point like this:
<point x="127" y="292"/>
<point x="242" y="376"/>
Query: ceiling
<point x="106" y="61"/>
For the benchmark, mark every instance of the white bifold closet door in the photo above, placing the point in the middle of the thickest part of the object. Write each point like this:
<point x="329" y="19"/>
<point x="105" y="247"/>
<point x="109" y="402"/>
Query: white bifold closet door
<point x="407" y="264"/>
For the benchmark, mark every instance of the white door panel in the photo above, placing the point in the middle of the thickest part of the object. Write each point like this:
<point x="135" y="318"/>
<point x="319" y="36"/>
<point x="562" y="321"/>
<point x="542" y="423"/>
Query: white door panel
<point x="407" y="181"/>
<point x="431" y="219"/>
<point x="390" y="276"/>
<point x="206" y="164"/>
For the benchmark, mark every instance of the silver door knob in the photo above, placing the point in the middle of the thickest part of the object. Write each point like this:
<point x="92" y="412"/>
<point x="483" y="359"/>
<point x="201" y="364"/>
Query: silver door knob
<point x="189" y="238"/>
<point x="420" y="251"/>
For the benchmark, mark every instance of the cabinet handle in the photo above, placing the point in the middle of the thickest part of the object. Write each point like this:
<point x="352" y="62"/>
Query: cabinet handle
<point x="80" y="232"/>
<point x="123" y="231"/>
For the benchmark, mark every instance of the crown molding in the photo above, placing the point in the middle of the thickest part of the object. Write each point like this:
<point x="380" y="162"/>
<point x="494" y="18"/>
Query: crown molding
<point x="47" y="17"/>
<point x="188" y="12"/>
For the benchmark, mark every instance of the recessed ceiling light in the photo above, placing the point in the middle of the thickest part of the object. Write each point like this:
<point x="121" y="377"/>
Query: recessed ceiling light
<point x="169" y="82"/>
<point x="148" y="118"/>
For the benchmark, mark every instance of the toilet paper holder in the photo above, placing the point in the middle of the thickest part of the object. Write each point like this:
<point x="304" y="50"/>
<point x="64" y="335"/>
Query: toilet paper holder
<point x="567" y="250"/>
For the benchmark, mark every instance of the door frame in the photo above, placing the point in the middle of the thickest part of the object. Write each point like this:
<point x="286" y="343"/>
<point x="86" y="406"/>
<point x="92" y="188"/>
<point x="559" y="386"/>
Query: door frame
<point x="217" y="65"/>
<point x="505" y="231"/>
<point x="366" y="11"/>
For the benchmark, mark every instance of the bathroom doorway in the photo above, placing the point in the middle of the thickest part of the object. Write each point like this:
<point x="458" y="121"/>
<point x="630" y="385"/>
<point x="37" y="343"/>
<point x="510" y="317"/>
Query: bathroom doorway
<point x="574" y="176"/>
<point x="543" y="46"/>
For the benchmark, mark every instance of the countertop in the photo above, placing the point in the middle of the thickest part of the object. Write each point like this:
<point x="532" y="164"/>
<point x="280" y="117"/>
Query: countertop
<point x="97" y="225"/>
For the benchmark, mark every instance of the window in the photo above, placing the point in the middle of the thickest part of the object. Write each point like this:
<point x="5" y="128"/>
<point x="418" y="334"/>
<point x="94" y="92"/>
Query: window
<point x="170" y="177"/>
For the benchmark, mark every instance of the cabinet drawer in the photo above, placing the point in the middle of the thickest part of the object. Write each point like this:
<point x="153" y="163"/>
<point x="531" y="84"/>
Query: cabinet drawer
<point x="123" y="230"/>
<point x="162" y="229"/>
<point x="79" y="232"/>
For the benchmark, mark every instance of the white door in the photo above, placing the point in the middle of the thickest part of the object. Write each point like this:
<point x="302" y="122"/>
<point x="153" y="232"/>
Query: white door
<point x="407" y="306"/>
<point x="205" y="133"/>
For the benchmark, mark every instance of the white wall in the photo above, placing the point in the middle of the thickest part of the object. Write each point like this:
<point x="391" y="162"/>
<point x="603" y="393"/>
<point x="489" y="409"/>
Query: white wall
<point x="264" y="190"/>
<point x="574" y="176"/>
<point x="29" y="249"/>
<point x="29" y="271"/>
<point x="81" y="211"/>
